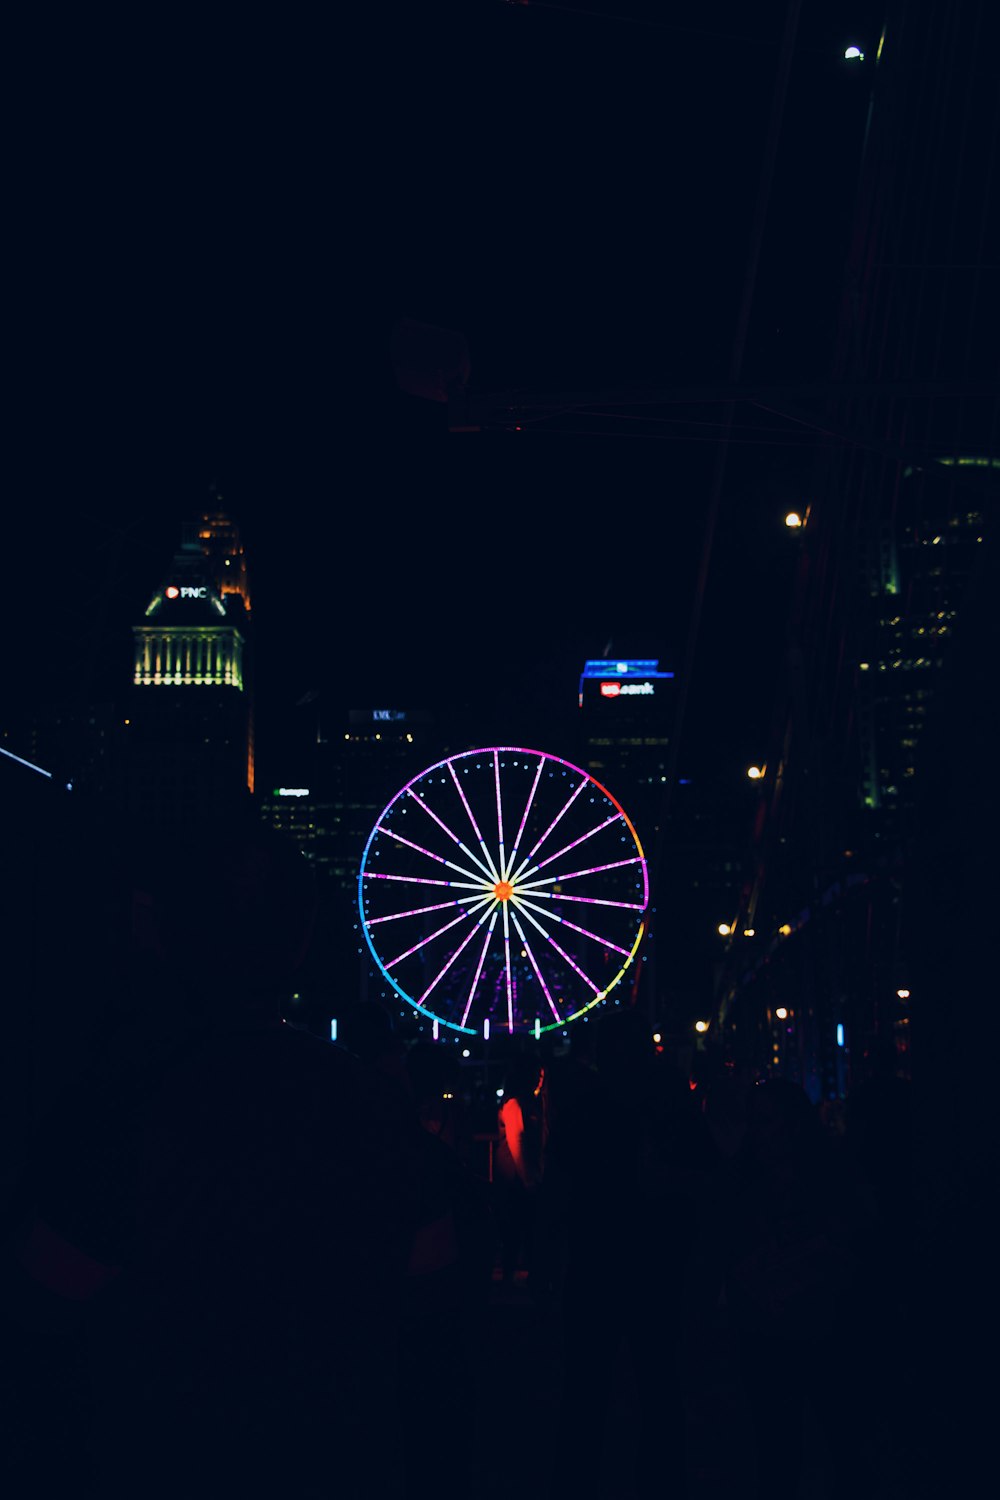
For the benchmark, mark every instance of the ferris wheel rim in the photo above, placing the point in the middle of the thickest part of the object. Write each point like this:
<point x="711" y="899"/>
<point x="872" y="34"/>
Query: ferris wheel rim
<point x="492" y="872"/>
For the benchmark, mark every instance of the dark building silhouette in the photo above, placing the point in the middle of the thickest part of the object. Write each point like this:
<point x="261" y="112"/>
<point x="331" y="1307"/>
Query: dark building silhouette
<point x="335" y="782"/>
<point x="904" y="483"/>
<point x="627" y="711"/>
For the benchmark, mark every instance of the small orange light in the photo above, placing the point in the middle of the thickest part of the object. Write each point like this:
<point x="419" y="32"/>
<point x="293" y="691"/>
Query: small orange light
<point x="172" y="592"/>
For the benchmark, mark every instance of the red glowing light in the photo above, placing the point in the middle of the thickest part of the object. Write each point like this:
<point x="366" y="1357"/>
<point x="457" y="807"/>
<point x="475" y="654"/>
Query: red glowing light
<point x="172" y="592"/>
<point x="610" y="689"/>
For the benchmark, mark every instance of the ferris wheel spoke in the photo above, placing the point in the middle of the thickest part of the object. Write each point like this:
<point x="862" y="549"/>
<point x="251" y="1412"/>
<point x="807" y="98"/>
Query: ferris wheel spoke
<point x="458" y="885"/>
<point x="500" y="853"/>
<point x="581" y="840"/>
<point x="418" y="911"/>
<point x="509" y="977"/>
<point x="561" y="951"/>
<point x="593" y="900"/>
<point x="565" y="922"/>
<point x="451" y="834"/>
<point x="462" y="917"/>
<point x="479" y="967"/>
<point x="475" y="826"/>
<point x="391" y="832"/>
<point x="534" y="964"/>
<point x="449" y="961"/>
<point x="615" y="864"/>
<point x="524" y="818"/>
<point x="557" y="819"/>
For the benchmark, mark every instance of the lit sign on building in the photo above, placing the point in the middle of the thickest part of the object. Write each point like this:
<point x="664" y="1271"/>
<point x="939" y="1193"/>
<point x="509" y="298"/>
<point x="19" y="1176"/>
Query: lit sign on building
<point x="636" y="677"/>
<point x="389" y="715"/>
<point x="617" y="689"/>
<point x="291" y="791"/>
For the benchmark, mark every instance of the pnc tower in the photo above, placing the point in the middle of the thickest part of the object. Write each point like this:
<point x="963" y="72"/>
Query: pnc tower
<point x="190" y="717"/>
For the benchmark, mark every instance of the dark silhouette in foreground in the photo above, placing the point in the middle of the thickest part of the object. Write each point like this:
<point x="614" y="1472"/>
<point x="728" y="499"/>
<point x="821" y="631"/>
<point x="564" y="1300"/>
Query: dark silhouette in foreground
<point x="214" y="1227"/>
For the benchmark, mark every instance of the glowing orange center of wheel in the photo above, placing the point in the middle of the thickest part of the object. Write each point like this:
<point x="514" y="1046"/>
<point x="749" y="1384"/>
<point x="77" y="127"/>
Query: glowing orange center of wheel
<point x="503" y="890"/>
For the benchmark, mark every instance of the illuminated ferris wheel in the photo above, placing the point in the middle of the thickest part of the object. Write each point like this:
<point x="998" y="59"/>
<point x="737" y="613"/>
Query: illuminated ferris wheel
<point x="503" y="888"/>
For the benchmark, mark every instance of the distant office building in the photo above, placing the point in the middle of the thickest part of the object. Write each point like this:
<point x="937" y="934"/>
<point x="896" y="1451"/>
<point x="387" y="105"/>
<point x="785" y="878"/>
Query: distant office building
<point x="626" y="711"/>
<point x="190" y="715"/>
<point x="76" y="745"/>
<point x="342" y="781"/>
<point x="918" y="569"/>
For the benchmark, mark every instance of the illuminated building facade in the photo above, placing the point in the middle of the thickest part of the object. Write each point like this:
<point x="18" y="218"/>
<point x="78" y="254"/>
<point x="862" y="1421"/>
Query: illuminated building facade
<point x="190" y="715"/>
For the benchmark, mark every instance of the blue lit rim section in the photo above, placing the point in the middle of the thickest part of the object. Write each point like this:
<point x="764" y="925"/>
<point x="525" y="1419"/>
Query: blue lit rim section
<point x="523" y="889"/>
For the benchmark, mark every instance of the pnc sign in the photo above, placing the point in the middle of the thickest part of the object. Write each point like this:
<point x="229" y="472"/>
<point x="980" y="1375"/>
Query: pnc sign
<point x="186" y="592"/>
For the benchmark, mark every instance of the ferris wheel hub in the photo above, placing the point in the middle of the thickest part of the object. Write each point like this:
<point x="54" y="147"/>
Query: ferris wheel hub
<point x="503" y="890"/>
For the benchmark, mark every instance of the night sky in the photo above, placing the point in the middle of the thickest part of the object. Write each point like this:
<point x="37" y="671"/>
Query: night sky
<point x="215" y="232"/>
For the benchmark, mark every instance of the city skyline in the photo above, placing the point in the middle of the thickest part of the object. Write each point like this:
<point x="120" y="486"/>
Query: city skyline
<point x="578" y="237"/>
<point x="679" y="280"/>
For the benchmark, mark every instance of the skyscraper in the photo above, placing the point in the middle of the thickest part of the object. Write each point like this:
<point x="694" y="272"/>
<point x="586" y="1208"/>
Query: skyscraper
<point x="190" y="717"/>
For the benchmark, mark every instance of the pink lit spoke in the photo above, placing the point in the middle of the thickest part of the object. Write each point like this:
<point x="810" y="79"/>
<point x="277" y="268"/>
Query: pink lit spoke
<point x="615" y="864"/>
<point x="465" y="802"/>
<point x="479" y="969"/>
<point x="475" y="826"/>
<point x="408" y="879"/>
<point x="453" y="836"/>
<point x="582" y="839"/>
<point x="496" y="779"/>
<point x="524" y="817"/>
<point x="595" y="901"/>
<point x="558" y="818"/>
<point x="448" y="963"/>
<point x="418" y="911"/>
<point x="421" y="850"/>
<point x="534" y="964"/>
<point x="462" y="916"/>
<point x="561" y="951"/>
<point x="565" y="922"/>
<point x="506" y="958"/>
<point x="481" y="885"/>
